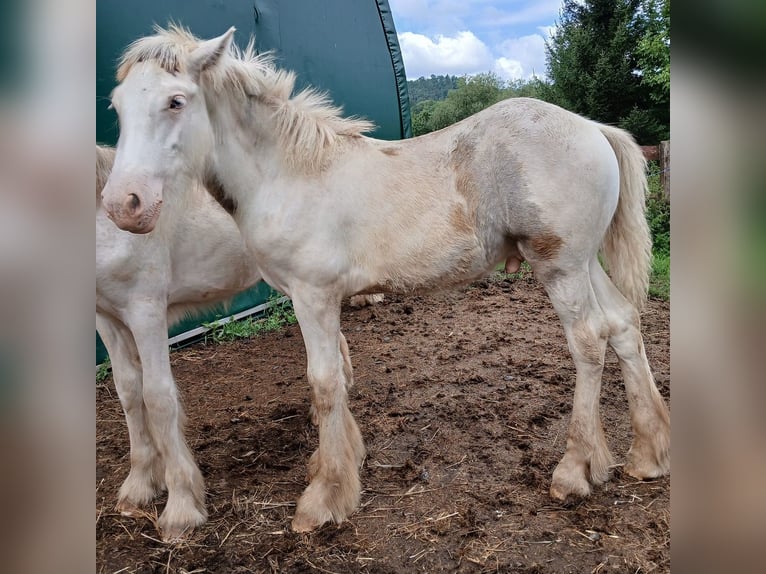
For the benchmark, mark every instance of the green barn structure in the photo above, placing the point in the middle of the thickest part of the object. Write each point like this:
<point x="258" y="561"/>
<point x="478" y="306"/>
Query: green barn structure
<point x="347" y="48"/>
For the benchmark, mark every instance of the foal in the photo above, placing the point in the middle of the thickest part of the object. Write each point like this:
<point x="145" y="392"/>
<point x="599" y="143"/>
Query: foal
<point x="327" y="212"/>
<point x="194" y="258"/>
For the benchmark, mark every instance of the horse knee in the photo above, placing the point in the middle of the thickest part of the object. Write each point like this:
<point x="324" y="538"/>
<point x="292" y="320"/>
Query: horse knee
<point x="589" y="339"/>
<point x="160" y="402"/>
<point x="626" y="339"/>
<point x="130" y="395"/>
<point x="325" y="385"/>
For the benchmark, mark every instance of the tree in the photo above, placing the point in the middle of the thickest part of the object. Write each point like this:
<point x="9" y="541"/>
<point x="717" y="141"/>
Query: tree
<point x="433" y="88"/>
<point x="598" y="58"/>
<point x="471" y="95"/>
<point x="654" y="57"/>
<point x="475" y="93"/>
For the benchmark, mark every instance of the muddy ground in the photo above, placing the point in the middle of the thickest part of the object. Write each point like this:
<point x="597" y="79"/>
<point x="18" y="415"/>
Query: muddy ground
<point x="463" y="400"/>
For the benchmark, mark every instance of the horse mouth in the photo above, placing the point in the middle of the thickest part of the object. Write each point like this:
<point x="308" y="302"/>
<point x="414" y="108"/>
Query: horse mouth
<point x="144" y="223"/>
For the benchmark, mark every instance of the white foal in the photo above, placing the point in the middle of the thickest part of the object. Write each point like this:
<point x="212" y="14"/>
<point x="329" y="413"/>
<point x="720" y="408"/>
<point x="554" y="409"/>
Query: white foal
<point x="194" y="258"/>
<point x="327" y="212"/>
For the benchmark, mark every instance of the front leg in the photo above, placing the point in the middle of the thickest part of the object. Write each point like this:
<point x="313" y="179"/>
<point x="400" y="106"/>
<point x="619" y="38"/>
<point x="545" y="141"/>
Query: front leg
<point x="334" y="468"/>
<point x="147" y="473"/>
<point x="185" y="507"/>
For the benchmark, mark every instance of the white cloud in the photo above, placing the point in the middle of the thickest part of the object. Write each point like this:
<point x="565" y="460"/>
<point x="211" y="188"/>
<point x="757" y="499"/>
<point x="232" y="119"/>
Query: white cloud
<point x="522" y="57"/>
<point x="464" y="53"/>
<point x="461" y="54"/>
<point x="547" y="31"/>
<point x="464" y="37"/>
<point x="509" y="69"/>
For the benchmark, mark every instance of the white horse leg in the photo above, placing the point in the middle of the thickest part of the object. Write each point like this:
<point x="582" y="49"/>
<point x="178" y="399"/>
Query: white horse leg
<point x="649" y="455"/>
<point x="185" y="508"/>
<point x="146" y="476"/>
<point x="348" y="371"/>
<point x="334" y="490"/>
<point x="587" y="458"/>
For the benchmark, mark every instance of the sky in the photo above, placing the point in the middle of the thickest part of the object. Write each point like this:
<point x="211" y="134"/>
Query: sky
<point x="459" y="37"/>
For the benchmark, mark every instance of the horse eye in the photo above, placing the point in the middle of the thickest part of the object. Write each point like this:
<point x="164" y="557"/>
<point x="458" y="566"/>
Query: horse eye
<point x="177" y="102"/>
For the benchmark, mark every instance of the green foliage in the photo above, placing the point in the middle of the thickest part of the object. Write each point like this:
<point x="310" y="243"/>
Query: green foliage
<point x="278" y="315"/>
<point x="654" y="51"/>
<point x="524" y="271"/>
<point x="421" y="117"/>
<point x="658" y="213"/>
<point x="471" y="95"/>
<point x="598" y="60"/>
<point x="658" y="217"/>
<point x="103" y="371"/>
<point x="659" y="283"/>
<point x="433" y="88"/>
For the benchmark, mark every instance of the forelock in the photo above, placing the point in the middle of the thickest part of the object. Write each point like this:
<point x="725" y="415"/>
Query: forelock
<point x="167" y="47"/>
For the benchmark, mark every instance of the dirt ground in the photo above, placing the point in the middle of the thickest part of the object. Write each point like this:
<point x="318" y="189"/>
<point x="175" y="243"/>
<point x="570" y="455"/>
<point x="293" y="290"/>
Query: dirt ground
<point x="463" y="400"/>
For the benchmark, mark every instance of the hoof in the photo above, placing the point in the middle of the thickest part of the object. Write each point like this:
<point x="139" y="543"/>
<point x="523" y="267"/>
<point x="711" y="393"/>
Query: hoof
<point x="311" y="512"/>
<point x="326" y="501"/>
<point x="175" y="525"/>
<point x="304" y="523"/>
<point x="175" y="534"/>
<point x="128" y="508"/>
<point x="649" y="459"/>
<point x="568" y="482"/>
<point x="643" y="470"/>
<point x="562" y="492"/>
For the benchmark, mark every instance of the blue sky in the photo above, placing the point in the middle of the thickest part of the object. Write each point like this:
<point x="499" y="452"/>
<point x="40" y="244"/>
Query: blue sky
<point x="460" y="37"/>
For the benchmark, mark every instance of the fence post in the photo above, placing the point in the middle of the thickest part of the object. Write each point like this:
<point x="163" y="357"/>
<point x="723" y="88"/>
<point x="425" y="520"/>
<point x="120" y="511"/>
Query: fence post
<point x="665" y="167"/>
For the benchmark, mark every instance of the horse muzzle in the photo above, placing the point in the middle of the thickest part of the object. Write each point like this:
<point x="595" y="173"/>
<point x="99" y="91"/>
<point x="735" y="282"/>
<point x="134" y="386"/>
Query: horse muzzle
<point x="133" y="206"/>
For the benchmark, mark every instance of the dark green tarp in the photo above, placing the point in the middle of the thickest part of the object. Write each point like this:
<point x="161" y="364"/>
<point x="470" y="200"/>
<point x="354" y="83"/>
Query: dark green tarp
<point x="347" y="48"/>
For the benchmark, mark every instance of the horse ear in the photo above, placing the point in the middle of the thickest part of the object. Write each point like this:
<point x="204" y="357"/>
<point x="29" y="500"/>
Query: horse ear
<point x="209" y="52"/>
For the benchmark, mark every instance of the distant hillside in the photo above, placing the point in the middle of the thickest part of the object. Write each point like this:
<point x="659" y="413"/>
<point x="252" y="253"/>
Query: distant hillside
<point x="433" y="88"/>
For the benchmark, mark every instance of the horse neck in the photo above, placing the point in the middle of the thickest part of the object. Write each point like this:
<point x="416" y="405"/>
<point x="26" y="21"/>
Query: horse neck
<point x="247" y="155"/>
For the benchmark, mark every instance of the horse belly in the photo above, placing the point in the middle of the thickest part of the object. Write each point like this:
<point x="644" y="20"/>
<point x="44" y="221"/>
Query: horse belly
<point x="436" y="262"/>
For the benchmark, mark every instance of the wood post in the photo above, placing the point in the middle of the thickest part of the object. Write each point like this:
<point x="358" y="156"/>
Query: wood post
<point x="665" y="167"/>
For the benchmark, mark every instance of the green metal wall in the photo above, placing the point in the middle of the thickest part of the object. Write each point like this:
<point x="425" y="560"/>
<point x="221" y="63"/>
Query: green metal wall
<point x="345" y="47"/>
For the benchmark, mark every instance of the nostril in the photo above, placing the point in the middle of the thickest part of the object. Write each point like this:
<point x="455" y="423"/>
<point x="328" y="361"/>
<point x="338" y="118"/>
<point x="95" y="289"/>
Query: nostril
<point x="133" y="203"/>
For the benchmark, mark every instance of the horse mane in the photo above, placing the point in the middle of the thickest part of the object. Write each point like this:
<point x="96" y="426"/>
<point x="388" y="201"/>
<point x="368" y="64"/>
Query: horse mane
<point x="104" y="162"/>
<point x="309" y="126"/>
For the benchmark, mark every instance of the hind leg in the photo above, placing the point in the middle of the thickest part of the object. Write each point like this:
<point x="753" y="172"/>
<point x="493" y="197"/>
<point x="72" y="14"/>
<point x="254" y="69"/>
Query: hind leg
<point x="587" y="458"/>
<point x="649" y="454"/>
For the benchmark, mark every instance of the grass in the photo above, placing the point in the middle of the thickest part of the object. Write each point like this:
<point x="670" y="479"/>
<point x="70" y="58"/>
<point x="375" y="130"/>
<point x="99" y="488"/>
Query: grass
<point x="523" y="271"/>
<point x="659" y="283"/>
<point x="102" y="373"/>
<point x="658" y="216"/>
<point x="278" y="315"/>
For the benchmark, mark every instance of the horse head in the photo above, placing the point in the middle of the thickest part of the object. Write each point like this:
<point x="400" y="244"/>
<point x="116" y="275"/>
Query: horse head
<point x="165" y="131"/>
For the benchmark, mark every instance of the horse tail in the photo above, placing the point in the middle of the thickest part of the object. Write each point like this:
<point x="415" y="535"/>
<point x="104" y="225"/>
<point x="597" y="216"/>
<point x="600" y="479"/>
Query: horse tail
<point x="627" y="246"/>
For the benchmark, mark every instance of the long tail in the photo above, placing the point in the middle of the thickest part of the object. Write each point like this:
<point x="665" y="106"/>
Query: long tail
<point x="627" y="246"/>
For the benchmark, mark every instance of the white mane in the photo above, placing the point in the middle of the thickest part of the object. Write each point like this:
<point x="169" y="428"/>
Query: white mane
<point x="308" y="125"/>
